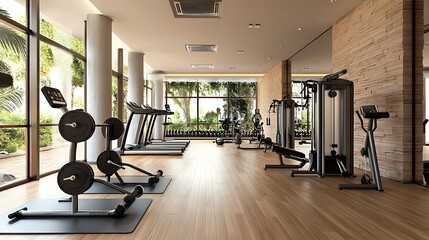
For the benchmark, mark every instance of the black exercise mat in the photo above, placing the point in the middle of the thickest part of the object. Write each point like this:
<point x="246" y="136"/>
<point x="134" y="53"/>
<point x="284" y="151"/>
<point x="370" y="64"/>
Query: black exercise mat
<point x="131" y="182"/>
<point x="78" y="225"/>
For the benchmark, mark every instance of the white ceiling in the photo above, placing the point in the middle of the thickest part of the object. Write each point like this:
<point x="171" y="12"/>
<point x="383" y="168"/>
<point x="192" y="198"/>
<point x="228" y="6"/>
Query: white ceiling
<point x="149" y="26"/>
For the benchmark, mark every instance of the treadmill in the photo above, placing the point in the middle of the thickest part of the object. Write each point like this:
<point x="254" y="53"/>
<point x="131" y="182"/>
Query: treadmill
<point x="141" y="149"/>
<point x="154" y="115"/>
<point x="148" y="134"/>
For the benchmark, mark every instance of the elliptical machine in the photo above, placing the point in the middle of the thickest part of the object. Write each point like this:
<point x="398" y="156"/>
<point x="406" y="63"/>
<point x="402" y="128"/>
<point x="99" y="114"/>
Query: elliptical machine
<point x="372" y="114"/>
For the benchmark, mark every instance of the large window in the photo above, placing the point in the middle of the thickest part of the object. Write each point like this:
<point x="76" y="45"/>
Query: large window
<point x="14" y="10"/>
<point x="199" y="105"/>
<point x="60" y="70"/>
<point x="61" y="66"/>
<point x="61" y="53"/>
<point x="13" y="109"/>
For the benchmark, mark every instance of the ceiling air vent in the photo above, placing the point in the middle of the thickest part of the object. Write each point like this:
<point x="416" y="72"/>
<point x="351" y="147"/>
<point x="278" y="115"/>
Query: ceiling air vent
<point x="202" y="66"/>
<point x="201" y="47"/>
<point x="195" y="8"/>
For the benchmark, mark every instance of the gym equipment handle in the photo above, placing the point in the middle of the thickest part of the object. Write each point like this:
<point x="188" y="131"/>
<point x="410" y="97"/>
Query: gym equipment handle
<point x="116" y="165"/>
<point x="424" y="125"/>
<point x="73" y="124"/>
<point x="16" y="213"/>
<point x="137" y="192"/>
<point x="376" y="115"/>
<point x="71" y="178"/>
<point x="361" y="120"/>
<point x="334" y="76"/>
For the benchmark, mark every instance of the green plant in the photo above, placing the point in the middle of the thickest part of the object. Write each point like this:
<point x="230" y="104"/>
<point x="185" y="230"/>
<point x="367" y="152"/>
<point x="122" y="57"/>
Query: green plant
<point x="11" y="147"/>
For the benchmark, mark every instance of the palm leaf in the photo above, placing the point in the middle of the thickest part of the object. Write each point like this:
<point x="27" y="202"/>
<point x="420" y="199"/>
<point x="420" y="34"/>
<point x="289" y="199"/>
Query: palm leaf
<point x="4" y="13"/>
<point x="4" y="68"/>
<point x="11" y="99"/>
<point x="10" y="40"/>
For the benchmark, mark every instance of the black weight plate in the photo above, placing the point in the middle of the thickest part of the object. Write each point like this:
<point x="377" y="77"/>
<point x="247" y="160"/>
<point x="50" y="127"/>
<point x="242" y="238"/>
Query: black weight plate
<point x="104" y="166"/>
<point x="83" y="178"/>
<point x="117" y="127"/>
<point x="83" y="129"/>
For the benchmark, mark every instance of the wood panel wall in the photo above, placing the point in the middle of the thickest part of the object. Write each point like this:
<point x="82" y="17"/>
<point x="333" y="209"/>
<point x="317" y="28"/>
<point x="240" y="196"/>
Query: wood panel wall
<point x="374" y="44"/>
<point x="275" y="84"/>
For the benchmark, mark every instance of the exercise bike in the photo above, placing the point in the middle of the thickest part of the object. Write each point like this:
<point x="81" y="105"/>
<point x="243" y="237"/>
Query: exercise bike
<point x="258" y="136"/>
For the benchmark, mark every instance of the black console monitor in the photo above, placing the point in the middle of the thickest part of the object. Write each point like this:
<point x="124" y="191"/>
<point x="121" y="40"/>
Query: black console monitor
<point x="54" y="97"/>
<point x="167" y="107"/>
<point x="371" y="111"/>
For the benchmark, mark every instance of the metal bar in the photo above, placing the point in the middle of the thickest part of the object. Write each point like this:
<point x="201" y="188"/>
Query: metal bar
<point x="13" y="126"/>
<point x="15" y="25"/>
<point x="372" y="154"/>
<point x="33" y="64"/>
<point x="127" y="129"/>
<point x="62" y="47"/>
<point x="198" y="106"/>
<point x="114" y="73"/>
<point x="14" y="184"/>
<point x="85" y="78"/>
<point x="413" y="95"/>
<point x="120" y="87"/>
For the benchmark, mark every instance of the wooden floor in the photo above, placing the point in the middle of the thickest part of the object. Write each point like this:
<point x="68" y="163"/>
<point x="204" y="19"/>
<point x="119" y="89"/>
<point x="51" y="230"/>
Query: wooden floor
<point x="224" y="193"/>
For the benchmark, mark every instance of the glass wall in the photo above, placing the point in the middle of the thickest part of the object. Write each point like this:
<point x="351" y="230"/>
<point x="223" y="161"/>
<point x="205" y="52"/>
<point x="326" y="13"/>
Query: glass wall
<point x="148" y="92"/>
<point x="14" y="10"/>
<point x="199" y="105"/>
<point x="13" y="109"/>
<point x="64" y="70"/>
<point x="61" y="53"/>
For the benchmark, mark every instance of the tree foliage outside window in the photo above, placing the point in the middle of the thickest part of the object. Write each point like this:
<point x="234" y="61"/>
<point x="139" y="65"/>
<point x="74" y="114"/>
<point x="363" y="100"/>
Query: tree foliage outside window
<point x="236" y="99"/>
<point x="13" y="61"/>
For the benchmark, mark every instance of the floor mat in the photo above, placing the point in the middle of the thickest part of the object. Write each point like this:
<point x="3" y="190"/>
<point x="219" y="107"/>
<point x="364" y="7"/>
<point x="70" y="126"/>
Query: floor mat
<point x="74" y="225"/>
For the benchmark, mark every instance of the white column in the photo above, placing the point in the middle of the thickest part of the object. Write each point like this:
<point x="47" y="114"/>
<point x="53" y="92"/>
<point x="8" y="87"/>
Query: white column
<point x="158" y="103"/>
<point x="99" y="78"/>
<point x="135" y="91"/>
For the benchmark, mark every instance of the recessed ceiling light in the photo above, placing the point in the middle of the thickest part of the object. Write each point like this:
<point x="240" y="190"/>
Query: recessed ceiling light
<point x="241" y="51"/>
<point x="280" y="46"/>
<point x="333" y="1"/>
<point x="269" y="58"/>
<point x="254" y="25"/>
<point x="300" y="28"/>
<point x="195" y="66"/>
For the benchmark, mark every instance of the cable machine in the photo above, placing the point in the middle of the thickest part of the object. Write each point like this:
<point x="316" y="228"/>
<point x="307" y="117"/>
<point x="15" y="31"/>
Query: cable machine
<point x="332" y="126"/>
